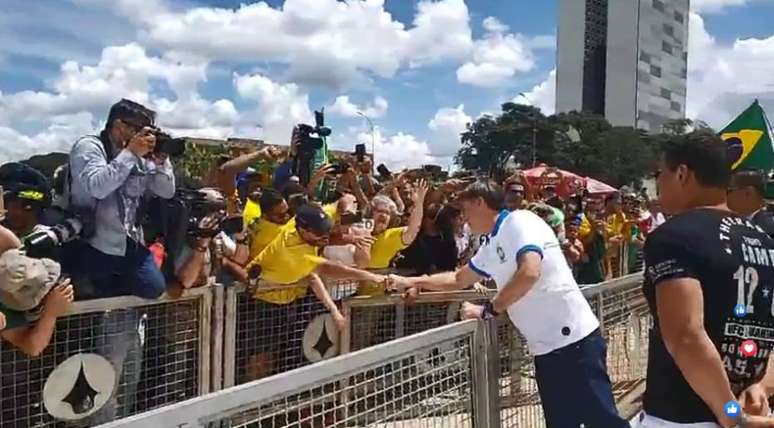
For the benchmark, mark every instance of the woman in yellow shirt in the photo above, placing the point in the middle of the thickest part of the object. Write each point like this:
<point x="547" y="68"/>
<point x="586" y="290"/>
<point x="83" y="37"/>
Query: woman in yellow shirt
<point x="390" y="241"/>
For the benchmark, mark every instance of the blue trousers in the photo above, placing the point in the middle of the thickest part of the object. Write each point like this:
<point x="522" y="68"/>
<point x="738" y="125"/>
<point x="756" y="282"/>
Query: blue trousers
<point x="134" y="274"/>
<point x="575" y="388"/>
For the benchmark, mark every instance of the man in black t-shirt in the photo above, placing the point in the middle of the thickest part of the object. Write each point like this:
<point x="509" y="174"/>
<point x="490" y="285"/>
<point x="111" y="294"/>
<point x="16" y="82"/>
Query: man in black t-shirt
<point x="709" y="283"/>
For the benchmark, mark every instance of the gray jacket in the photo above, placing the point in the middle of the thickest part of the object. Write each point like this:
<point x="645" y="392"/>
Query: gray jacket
<point x="112" y="191"/>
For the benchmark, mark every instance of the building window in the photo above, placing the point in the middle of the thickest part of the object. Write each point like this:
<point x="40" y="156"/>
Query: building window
<point x="644" y="57"/>
<point x="679" y="17"/>
<point x="666" y="93"/>
<point x="658" y="5"/>
<point x="669" y="30"/>
<point x="684" y="72"/>
<point x="666" y="47"/>
<point x="655" y="71"/>
<point x="676" y="106"/>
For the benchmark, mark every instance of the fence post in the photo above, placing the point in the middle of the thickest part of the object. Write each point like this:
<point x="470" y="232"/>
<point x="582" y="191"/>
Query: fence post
<point x="205" y="344"/>
<point x="216" y="367"/>
<point x="229" y="336"/>
<point x="480" y="390"/>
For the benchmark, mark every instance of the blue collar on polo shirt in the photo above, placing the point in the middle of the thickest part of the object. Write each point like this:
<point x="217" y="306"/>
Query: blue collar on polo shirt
<point x="500" y="219"/>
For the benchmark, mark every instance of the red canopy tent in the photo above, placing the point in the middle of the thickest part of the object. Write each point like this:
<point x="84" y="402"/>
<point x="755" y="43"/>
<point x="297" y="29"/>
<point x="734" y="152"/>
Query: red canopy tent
<point x="565" y="182"/>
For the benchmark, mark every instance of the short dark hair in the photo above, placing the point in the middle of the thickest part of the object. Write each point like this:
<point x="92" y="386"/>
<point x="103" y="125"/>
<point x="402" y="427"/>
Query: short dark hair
<point x="702" y="152"/>
<point x="488" y="190"/>
<point x="127" y="109"/>
<point x="754" y="178"/>
<point x="270" y="198"/>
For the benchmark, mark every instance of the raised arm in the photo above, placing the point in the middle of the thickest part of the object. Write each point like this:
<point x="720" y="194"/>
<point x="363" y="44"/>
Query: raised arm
<point x="417" y="214"/>
<point x="99" y="177"/>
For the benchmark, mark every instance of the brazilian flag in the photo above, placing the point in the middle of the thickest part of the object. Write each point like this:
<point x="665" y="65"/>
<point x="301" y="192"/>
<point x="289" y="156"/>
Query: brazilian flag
<point x="749" y="141"/>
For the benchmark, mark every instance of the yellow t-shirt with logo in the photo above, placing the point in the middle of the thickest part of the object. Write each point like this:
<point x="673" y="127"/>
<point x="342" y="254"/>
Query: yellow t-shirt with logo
<point x="251" y="213"/>
<point x="285" y="262"/>
<point x="383" y="250"/>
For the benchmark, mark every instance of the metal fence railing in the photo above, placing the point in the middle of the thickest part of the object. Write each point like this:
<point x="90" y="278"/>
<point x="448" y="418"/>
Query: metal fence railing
<point x="434" y="378"/>
<point x="383" y="384"/>
<point x="139" y="355"/>
<point x="109" y="359"/>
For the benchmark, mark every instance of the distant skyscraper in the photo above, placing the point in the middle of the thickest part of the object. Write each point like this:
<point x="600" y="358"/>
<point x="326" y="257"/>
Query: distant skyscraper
<point x="624" y="59"/>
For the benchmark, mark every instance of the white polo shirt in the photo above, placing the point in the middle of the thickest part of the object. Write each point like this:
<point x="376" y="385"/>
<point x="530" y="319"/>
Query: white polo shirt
<point x="554" y="313"/>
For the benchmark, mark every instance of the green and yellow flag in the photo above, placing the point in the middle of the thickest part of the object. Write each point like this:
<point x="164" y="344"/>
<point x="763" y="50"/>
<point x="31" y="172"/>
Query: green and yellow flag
<point x="749" y="140"/>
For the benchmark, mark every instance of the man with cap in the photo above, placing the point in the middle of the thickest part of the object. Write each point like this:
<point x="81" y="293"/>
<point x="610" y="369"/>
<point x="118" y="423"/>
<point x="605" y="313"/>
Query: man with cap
<point x="282" y="272"/>
<point x="109" y="174"/>
<point x="26" y="194"/>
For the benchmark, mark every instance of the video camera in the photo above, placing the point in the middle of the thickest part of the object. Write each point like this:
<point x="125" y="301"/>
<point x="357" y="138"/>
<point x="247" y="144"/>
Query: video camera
<point x="308" y="140"/>
<point x="207" y="203"/>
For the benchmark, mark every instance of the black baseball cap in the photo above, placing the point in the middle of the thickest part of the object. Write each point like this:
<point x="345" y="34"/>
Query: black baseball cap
<point x="313" y="218"/>
<point x="21" y="181"/>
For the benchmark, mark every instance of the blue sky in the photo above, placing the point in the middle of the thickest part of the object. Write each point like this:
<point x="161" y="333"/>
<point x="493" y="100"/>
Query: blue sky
<point x="421" y="69"/>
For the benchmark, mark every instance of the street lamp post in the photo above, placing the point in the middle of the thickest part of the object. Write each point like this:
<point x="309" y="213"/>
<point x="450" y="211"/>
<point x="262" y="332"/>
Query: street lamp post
<point x="373" y="137"/>
<point x="534" y="135"/>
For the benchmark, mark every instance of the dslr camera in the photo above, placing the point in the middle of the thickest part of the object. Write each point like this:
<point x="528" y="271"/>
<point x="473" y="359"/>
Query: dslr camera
<point x="165" y="144"/>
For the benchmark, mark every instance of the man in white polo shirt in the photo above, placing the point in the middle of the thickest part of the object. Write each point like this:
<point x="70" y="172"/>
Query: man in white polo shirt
<point x="536" y="287"/>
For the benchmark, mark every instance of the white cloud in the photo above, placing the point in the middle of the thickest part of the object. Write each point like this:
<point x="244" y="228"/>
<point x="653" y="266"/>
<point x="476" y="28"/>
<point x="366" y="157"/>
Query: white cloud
<point x="496" y="58"/>
<point x="343" y="107"/>
<point x="339" y="41"/>
<point x="279" y="106"/>
<point x="542" y="96"/>
<point x="59" y="136"/>
<point x="122" y="72"/>
<point x="82" y="93"/>
<point x="400" y="150"/>
<point x="446" y="127"/>
<point x="714" y="6"/>
<point x="724" y="79"/>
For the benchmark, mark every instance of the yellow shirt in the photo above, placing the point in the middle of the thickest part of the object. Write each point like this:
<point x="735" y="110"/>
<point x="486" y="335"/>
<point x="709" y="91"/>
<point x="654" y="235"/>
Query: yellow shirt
<point x="262" y="232"/>
<point x="585" y="227"/>
<point x="615" y="225"/>
<point x="251" y="213"/>
<point x="383" y="250"/>
<point x="285" y="262"/>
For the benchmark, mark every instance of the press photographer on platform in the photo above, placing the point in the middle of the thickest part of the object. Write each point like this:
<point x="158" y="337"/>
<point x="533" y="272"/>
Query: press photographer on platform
<point x="108" y="176"/>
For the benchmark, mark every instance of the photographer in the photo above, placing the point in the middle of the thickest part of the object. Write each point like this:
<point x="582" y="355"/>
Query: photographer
<point x="109" y="174"/>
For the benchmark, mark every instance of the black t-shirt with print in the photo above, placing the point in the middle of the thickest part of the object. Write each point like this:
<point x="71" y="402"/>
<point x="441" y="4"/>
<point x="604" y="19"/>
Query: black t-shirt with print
<point x="734" y="262"/>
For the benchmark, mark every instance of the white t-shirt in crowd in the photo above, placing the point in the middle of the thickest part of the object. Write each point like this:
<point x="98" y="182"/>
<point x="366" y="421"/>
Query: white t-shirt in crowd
<point x="554" y="313"/>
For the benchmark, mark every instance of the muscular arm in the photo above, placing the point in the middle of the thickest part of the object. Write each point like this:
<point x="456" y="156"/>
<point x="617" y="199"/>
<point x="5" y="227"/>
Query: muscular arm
<point x="339" y="271"/>
<point x="680" y="305"/>
<point x="32" y="340"/>
<point x="521" y="283"/>
<point x="319" y="290"/>
<point x="189" y="272"/>
<point x="8" y="240"/>
<point x="414" y="224"/>
<point x="462" y="278"/>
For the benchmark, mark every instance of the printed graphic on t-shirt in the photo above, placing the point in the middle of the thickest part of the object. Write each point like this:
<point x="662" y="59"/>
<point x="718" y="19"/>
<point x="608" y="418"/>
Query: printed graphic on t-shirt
<point x="746" y="257"/>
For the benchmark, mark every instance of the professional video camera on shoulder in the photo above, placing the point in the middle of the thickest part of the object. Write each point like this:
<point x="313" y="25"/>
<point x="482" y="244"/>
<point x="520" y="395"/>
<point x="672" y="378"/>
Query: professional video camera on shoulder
<point x="207" y="213"/>
<point x="307" y="141"/>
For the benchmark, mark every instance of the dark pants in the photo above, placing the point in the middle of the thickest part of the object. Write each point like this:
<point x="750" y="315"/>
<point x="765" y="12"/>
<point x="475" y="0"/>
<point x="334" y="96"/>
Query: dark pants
<point x="98" y="275"/>
<point x="575" y="388"/>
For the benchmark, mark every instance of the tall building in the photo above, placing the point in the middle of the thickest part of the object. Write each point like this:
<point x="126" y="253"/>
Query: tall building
<point x="624" y="59"/>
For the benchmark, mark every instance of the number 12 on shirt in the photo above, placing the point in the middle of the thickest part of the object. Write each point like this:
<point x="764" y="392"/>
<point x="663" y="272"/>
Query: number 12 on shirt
<point x="747" y="276"/>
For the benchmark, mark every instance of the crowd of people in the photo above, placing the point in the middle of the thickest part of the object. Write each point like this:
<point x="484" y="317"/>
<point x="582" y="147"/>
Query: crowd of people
<point x="114" y="221"/>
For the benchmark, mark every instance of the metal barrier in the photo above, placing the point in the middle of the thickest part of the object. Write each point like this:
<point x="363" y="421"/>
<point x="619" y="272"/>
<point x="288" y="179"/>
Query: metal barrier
<point x="438" y="377"/>
<point x="382" y="386"/>
<point x="108" y="359"/>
